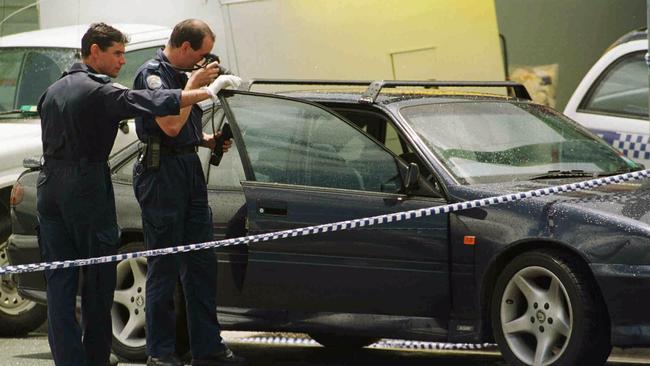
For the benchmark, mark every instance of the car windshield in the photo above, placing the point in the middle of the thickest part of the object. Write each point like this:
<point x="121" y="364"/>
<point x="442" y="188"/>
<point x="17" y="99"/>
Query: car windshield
<point x="25" y="73"/>
<point x="488" y="141"/>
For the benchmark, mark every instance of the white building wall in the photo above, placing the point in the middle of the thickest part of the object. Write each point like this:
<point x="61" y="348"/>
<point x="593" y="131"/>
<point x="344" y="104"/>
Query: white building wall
<point x="324" y="39"/>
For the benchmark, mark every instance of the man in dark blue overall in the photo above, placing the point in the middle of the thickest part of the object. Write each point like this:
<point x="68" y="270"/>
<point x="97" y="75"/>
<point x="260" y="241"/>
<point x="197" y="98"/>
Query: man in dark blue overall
<point x="80" y="114"/>
<point x="173" y="196"/>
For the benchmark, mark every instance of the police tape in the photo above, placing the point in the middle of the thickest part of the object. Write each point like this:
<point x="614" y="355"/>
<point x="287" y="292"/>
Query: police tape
<point x="336" y="226"/>
<point x="297" y="339"/>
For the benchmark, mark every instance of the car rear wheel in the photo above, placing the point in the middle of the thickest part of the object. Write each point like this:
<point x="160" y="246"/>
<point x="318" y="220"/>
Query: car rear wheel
<point x="547" y="311"/>
<point x="128" y="311"/>
<point x="128" y="317"/>
<point x="342" y="342"/>
<point x="18" y="316"/>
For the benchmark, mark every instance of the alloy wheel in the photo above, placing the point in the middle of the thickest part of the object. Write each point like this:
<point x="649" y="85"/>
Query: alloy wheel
<point x="536" y="316"/>
<point x="10" y="300"/>
<point x="128" y="312"/>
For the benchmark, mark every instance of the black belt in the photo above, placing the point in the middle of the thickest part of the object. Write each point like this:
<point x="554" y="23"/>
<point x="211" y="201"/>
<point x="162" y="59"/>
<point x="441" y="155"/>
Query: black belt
<point x="169" y="150"/>
<point x="58" y="163"/>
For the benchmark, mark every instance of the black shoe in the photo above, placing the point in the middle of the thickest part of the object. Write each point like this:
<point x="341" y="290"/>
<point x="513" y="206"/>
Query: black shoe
<point x="224" y="357"/>
<point x="163" y="361"/>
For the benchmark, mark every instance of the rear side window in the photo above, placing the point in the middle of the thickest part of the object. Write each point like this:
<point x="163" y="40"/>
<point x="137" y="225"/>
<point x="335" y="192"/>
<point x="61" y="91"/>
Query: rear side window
<point x="622" y="90"/>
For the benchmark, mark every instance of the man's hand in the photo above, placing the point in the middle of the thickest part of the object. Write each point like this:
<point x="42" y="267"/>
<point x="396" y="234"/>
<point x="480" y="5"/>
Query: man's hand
<point x="203" y="76"/>
<point x="224" y="81"/>
<point x="210" y="141"/>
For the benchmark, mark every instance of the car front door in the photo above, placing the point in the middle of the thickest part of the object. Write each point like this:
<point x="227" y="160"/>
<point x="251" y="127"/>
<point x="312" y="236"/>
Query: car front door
<point x="306" y="166"/>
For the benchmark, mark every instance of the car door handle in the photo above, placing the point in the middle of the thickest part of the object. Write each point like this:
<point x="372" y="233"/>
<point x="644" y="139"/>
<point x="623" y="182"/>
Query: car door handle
<point x="277" y="208"/>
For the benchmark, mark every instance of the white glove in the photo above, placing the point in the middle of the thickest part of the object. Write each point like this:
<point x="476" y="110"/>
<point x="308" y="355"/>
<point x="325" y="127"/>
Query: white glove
<point x="223" y="81"/>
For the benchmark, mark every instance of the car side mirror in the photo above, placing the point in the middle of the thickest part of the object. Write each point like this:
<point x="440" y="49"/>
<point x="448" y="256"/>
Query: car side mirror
<point x="411" y="178"/>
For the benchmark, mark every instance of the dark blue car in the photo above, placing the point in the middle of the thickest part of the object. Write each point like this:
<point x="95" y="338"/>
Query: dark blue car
<point x="555" y="280"/>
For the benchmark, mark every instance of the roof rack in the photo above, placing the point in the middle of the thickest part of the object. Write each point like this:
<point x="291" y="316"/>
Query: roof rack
<point x="370" y="95"/>
<point x="374" y="87"/>
<point x="307" y="82"/>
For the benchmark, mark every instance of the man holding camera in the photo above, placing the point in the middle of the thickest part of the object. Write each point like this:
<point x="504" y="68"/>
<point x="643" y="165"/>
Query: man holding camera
<point x="171" y="189"/>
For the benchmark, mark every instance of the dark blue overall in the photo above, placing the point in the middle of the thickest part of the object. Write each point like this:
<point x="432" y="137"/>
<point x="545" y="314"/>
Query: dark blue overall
<point x="175" y="211"/>
<point x="76" y="208"/>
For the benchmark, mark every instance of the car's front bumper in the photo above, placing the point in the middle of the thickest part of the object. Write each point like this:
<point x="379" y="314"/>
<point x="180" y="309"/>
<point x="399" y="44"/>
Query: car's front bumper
<point x="625" y="289"/>
<point x="23" y="249"/>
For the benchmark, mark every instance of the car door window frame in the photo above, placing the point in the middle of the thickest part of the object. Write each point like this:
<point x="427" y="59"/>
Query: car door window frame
<point x="246" y="161"/>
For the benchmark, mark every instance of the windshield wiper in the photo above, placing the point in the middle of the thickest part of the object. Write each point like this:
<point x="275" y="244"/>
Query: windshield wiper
<point x="574" y="173"/>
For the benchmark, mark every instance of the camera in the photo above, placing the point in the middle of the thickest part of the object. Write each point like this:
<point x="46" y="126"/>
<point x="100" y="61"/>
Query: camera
<point x="210" y="58"/>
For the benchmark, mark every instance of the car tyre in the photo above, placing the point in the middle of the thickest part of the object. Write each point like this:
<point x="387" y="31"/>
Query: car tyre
<point x="342" y="342"/>
<point x="18" y="316"/>
<point x="546" y="310"/>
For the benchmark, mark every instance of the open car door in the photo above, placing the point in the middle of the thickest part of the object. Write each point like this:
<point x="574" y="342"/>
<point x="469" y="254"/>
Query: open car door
<point x="306" y="165"/>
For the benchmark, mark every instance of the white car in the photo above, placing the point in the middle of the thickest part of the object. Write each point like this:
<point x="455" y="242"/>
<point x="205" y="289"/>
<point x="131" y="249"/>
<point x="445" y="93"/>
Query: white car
<point x="612" y="99"/>
<point x="29" y="63"/>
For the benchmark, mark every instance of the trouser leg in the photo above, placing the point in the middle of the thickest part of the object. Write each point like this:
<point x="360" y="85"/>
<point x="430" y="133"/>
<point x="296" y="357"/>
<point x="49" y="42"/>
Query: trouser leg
<point x="98" y="286"/>
<point x="160" y="315"/>
<point x="198" y="275"/>
<point x="64" y="332"/>
<point x="97" y="299"/>
<point x="198" y="272"/>
<point x="161" y="229"/>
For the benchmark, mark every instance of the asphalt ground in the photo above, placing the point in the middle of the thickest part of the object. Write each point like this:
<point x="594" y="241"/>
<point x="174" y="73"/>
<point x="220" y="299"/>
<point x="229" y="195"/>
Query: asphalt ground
<point x="33" y="350"/>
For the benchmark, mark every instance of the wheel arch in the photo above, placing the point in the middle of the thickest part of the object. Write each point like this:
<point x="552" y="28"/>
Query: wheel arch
<point x="5" y="212"/>
<point x="498" y="264"/>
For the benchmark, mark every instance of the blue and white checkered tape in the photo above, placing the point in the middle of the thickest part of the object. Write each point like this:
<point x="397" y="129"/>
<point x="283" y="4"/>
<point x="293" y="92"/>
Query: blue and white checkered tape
<point x="633" y="146"/>
<point x="335" y="226"/>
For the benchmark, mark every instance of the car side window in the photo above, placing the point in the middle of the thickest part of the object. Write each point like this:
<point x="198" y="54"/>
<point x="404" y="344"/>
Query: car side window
<point x="134" y="59"/>
<point x="375" y="125"/>
<point x="293" y="142"/>
<point x="622" y="90"/>
<point x="10" y="66"/>
<point x="39" y="72"/>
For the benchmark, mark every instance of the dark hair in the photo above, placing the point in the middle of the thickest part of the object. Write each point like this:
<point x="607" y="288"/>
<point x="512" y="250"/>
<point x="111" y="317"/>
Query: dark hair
<point x="103" y="35"/>
<point x="190" y="30"/>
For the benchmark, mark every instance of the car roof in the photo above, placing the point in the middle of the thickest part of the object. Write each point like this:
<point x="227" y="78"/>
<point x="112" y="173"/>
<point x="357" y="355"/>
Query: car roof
<point x="70" y="36"/>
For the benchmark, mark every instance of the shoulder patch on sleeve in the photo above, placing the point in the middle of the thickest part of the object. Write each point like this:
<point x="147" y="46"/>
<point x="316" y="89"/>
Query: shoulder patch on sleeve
<point x="154" y="82"/>
<point x="153" y="65"/>
<point x="119" y="86"/>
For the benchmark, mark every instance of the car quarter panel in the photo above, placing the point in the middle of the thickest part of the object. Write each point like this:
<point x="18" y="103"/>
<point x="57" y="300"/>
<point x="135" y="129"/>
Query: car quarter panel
<point x="608" y="231"/>
<point x="613" y="233"/>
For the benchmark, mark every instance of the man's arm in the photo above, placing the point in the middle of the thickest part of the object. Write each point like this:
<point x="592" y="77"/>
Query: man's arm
<point x="172" y="125"/>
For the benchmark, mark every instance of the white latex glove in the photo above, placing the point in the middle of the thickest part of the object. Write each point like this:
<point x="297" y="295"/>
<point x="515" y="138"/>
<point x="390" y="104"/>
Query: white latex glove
<point x="222" y="82"/>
